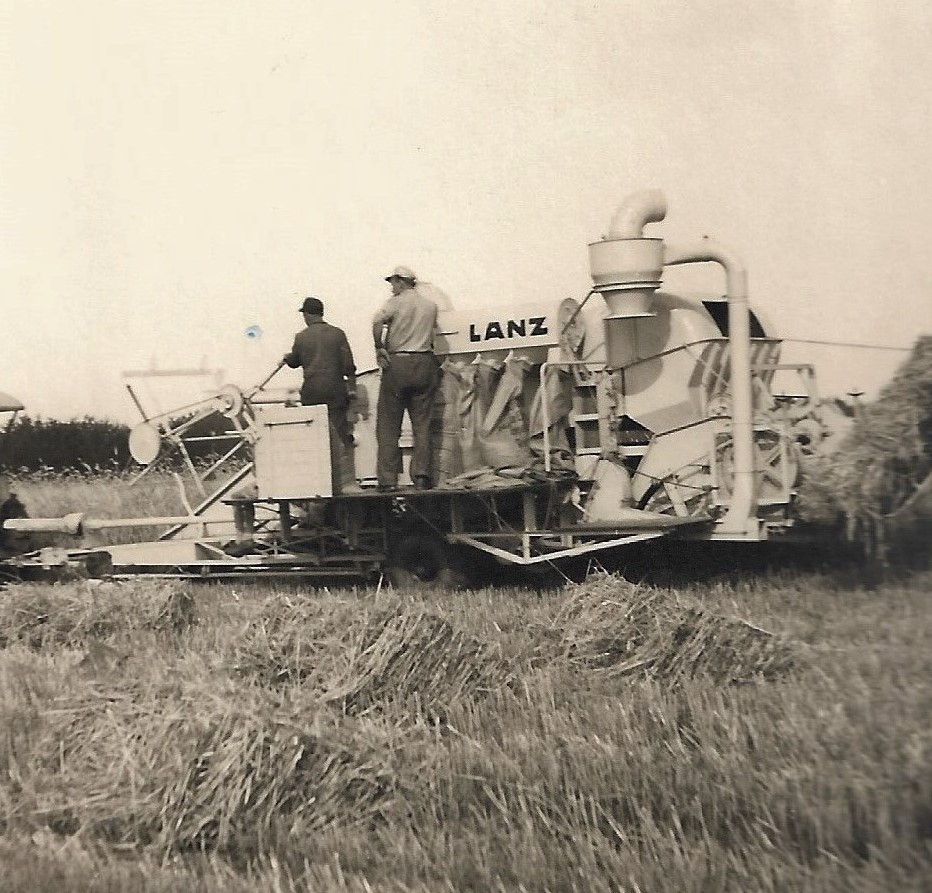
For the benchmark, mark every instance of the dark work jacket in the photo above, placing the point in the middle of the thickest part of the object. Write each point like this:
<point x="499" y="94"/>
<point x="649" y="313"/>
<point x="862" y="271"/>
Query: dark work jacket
<point x="324" y="353"/>
<point x="13" y="541"/>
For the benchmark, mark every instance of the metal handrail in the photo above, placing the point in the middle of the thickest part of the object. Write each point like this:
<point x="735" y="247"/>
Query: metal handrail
<point x="543" y="398"/>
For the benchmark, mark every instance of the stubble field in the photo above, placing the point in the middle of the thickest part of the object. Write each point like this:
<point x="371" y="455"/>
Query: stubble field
<point x="762" y="732"/>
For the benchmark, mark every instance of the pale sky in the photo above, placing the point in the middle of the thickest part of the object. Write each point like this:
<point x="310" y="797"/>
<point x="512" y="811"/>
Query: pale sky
<point x="173" y="172"/>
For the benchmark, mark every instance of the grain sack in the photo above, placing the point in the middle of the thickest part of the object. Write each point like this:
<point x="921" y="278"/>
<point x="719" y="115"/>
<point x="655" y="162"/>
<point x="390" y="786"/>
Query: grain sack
<point x="466" y="415"/>
<point x="503" y="434"/>
<point x="445" y="424"/>
<point x="558" y="394"/>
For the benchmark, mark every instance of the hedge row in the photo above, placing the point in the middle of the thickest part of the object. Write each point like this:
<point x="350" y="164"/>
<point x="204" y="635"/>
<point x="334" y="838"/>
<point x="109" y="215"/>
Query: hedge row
<point x="86" y="444"/>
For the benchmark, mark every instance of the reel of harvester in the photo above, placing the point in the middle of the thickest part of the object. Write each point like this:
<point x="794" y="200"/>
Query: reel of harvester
<point x="174" y="429"/>
<point x="169" y="436"/>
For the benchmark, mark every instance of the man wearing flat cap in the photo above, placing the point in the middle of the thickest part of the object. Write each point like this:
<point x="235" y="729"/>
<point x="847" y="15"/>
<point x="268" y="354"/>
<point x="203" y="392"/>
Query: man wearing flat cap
<point x="324" y="354"/>
<point x="403" y="329"/>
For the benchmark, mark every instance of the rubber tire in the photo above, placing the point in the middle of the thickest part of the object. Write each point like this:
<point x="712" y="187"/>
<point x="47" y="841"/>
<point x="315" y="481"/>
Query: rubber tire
<point x="421" y="560"/>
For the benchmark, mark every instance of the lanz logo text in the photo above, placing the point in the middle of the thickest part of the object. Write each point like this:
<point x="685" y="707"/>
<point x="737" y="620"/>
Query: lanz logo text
<point x="512" y="328"/>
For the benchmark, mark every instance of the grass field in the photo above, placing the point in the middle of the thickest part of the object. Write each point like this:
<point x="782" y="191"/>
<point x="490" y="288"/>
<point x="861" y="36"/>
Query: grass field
<point x="763" y="733"/>
<point x="103" y="495"/>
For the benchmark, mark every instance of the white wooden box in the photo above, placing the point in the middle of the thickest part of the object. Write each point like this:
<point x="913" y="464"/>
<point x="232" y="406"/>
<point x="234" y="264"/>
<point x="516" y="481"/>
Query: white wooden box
<point x="292" y="452"/>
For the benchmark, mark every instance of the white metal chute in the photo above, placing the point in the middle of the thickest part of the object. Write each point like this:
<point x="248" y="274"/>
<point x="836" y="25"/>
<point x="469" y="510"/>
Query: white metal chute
<point x="635" y="212"/>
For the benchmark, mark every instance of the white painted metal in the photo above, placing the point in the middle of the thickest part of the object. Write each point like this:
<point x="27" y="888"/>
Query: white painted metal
<point x="742" y="513"/>
<point x="626" y="268"/>
<point x="9" y="404"/>
<point x="292" y="453"/>
<point x="144" y="443"/>
<point x="626" y="273"/>
<point x="611" y="492"/>
<point x="685" y="447"/>
<point x="582" y="549"/>
<point x="635" y="212"/>
<point x="500" y="328"/>
<point x="76" y="524"/>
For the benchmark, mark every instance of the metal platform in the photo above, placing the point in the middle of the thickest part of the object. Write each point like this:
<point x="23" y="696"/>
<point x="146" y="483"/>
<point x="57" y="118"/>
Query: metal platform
<point x="407" y="492"/>
<point x="359" y="534"/>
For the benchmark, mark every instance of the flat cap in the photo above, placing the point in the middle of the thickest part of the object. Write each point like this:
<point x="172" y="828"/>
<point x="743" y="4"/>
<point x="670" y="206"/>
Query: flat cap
<point x="402" y="273"/>
<point x="313" y="306"/>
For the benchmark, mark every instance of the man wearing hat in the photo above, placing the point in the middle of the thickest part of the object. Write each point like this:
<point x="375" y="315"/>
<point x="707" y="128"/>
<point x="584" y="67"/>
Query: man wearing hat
<point x="324" y="354"/>
<point x="403" y="329"/>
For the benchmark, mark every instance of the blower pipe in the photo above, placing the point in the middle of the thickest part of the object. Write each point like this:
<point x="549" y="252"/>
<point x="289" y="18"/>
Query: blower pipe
<point x="635" y="212"/>
<point x="626" y="268"/>
<point x="738" y="518"/>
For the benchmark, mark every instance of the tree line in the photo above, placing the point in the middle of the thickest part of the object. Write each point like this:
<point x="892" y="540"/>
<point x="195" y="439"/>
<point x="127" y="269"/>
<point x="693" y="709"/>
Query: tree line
<point x="86" y="444"/>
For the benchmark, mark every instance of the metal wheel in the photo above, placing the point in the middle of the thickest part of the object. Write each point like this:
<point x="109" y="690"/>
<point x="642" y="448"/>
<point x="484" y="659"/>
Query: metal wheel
<point x="421" y="559"/>
<point x="776" y="466"/>
<point x="686" y="493"/>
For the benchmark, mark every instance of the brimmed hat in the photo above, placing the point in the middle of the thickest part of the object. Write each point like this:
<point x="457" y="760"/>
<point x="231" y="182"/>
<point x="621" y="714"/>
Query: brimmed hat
<point x="402" y="273"/>
<point x="314" y="306"/>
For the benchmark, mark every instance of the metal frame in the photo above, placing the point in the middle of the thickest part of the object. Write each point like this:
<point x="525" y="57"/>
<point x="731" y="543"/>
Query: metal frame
<point x="526" y="559"/>
<point x="517" y="524"/>
<point x="521" y="524"/>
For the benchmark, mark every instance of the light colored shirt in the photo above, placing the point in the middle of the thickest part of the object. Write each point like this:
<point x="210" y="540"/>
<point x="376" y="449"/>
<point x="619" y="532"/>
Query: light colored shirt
<point x="411" y="319"/>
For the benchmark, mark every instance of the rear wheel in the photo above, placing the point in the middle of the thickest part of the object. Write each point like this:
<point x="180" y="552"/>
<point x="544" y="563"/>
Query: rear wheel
<point x="420" y="559"/>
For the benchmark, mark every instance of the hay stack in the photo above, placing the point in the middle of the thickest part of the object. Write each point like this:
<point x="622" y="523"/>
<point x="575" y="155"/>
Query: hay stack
<point x="301" y="642"/>
<point x="874" y="483"/>
<point x="196" y="770"/>
<point x="609" y="623"/>
<point x="251" y="774"/>
<point x="723" y="649"/>
<point x="412" y="657"/>
<point x="396" y="657"/>
<point x="612" y="626"/>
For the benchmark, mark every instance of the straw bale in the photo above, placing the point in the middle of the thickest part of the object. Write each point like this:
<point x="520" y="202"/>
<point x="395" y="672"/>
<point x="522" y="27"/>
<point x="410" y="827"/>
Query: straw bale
<point x="195" y="769"/>
<point x="723" y="649"/>
<point x="618" y="628"/>
<point x="251" y="776"/>
<point x="74" y="614"/>
<point x="408" y="657"/>
<point x="297" y="642"/>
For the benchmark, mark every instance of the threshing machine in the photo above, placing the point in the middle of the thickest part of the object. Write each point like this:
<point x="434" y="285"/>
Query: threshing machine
<point x="563" y="428"/>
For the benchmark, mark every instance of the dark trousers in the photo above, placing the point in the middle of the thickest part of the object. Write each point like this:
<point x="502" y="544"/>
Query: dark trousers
<point x="342" y="461"/>
<point x="337" y="407"/>
<point x="409" y="383"/>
